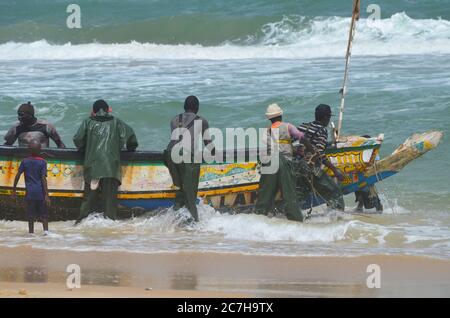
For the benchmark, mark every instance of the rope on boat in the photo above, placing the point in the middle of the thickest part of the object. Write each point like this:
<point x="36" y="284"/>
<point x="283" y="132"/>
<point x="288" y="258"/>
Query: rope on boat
<point x="355" y="17"/>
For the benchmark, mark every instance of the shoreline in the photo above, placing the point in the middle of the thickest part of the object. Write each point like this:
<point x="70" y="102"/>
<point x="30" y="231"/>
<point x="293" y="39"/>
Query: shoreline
<point x="42" y="273"/>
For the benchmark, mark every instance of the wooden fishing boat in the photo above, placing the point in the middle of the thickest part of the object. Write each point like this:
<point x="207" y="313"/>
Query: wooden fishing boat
<point x="146" y="183"/>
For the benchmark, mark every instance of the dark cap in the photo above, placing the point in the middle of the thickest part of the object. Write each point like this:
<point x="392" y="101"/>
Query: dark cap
<point x="100" y="104"/>
<point x="191" y="103"/>
<point x="26" y="109"/>
<point x="322" y="111"/>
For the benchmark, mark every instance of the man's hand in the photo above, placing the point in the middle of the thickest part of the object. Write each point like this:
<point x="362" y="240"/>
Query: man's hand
<point x="47" y="201"/>
<point x="340" y="176"/>
<point x="312" y="157"/>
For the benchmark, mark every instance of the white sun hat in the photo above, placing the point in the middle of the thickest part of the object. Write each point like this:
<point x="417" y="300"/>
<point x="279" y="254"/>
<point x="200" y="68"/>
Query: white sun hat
<point x="273" y="110"/>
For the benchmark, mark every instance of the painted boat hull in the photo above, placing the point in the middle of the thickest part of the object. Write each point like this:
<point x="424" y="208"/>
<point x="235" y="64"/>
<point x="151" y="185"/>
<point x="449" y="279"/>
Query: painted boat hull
<point x="146" y="182"/>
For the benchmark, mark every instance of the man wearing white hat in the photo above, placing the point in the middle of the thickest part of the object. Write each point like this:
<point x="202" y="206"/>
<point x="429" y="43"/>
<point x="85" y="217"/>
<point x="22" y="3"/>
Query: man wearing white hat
<point x="283" y="134"/>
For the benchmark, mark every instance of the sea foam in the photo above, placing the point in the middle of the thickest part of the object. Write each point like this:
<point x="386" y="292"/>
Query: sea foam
<point x="290" y="38"/>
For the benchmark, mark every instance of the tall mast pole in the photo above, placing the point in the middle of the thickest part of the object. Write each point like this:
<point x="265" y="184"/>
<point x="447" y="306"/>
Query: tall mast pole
<point x="343" y="91"/>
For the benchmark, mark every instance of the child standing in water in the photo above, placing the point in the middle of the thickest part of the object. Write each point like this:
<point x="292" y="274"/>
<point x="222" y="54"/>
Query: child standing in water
<point x="37" y="199"/>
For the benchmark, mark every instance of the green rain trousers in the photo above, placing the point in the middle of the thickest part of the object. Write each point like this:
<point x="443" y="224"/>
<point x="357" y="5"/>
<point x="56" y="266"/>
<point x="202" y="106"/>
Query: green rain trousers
<point x="186" y="177"/>
<point x="270" y="184"/>
<point x="320" y="183"/>
<point x="104" y="198"/>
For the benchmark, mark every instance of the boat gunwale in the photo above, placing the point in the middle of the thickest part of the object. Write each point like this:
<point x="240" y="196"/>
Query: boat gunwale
<point x="239" y="155"/>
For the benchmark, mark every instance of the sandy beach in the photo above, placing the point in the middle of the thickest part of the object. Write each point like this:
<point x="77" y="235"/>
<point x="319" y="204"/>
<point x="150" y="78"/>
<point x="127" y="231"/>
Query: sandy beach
<point x="28" y="272"/>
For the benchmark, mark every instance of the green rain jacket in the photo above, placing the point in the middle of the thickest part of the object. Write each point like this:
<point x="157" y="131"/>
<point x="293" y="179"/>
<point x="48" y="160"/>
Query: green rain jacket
<point x="102" y="137"/>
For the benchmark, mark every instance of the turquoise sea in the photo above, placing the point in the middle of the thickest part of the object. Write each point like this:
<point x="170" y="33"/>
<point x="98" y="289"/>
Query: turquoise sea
<point x="145" y="57"/>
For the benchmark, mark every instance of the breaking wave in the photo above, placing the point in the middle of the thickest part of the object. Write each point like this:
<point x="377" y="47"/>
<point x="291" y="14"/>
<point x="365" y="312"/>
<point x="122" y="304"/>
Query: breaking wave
<point x="293" y="37"/>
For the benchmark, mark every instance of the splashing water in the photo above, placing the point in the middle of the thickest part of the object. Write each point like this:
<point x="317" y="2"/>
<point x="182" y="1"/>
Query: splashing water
<point x="237" y="233"/>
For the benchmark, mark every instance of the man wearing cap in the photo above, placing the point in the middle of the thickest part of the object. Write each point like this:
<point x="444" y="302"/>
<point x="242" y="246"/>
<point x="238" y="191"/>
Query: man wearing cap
<point x="320" y="182"/>
<point x="281" y="135"/>
<point x="30" y="128"/>
<point x="101" y="137"/>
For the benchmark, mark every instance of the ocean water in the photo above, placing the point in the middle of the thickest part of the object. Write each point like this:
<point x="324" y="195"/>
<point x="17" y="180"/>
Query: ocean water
<point x="145" y="57"/>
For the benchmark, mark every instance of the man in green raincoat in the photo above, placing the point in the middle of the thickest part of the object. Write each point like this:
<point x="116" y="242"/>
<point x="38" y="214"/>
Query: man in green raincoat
<point x="101" y="137"/>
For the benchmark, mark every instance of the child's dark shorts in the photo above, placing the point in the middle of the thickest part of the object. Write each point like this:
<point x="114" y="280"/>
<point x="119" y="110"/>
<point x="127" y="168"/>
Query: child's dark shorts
<point x="37" y="209"/>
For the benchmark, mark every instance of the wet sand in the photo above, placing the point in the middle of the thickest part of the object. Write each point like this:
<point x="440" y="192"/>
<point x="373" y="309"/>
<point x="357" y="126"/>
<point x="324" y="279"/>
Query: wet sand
<point x="55" y="290"/>
<point x="28" y="272"/>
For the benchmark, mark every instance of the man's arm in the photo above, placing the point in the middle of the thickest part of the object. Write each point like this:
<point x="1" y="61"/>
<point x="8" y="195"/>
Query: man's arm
<point x="55" y="136"/>
<point x="207" y="138"/>
<point x="309" y="147"/>
<point x="132" y="142"/>
<point x="11" y="136"/>
<point x="60" y="144"/>
<point x="128" y="136"/>
<point x="323" y="145"/>
<point x="16" y="181"/>
<point x="80" y="137"/>
<point x="301" y="136"/>
<point x="337" y="173"/>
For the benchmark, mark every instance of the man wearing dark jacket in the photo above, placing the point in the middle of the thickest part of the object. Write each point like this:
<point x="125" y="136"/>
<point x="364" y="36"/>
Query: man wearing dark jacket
<point x="102" y="137"/>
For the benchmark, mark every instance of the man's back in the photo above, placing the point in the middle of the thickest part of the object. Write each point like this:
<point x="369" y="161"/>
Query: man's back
<point x="102" y="136"/>
<point x="41" y="131"/>
<point x="316" y="133"/>
<point x="197" y="131"/>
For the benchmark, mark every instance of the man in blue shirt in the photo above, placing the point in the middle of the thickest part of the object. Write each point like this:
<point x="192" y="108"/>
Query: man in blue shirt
<point x="36" y="197"/>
